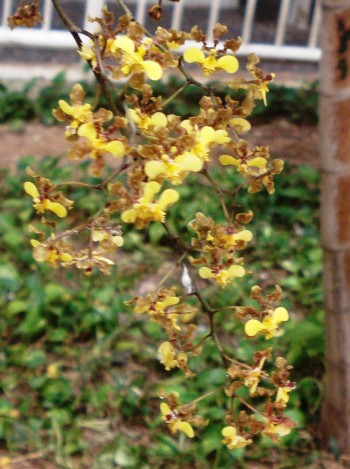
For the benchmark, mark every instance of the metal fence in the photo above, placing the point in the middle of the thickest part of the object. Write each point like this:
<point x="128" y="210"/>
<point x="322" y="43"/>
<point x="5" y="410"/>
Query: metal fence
<point x="275" y="29"/>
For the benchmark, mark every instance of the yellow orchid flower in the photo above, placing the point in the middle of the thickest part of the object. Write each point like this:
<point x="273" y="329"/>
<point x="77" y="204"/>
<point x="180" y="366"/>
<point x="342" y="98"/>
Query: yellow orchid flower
<point x="257" y="162"/>
<point x="277" y="429"/>
<point x="175" y="424"/>
<point x="239" y="125"/>
<point x="262" y="88"/>
<point x="158" y="306"/>
<point x="45" y="253"/>
<point x="98" y="144"/>
<point x="80" y="112"/>
<point x="87" y="53"/>
<point x="146" y="122"/>
<point x="41" y="204"/>
<point x="269" y="325"/>
<point x="210" y="63"/>
<point x="132" y="58"/>
<point x="145" y="210"/>
<point x="230" y="240"/>
<point x="173" y="169"/>
<point x="100" y="235"/>
<point x="222" y="276"/>
<point x="170" y="357"/>
<point x="205" y="138"/>
<point x="253" y="377"/>
<point x="282" y="396"/>
<point x="232" y="440"/>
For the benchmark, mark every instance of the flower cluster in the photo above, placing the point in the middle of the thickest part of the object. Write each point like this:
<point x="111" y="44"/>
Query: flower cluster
<point x="218" y="245"/>
<point x="151" y="154"/>
<point x="45" y="197"/>
<point x="166" y="309"/>
<point x="180" y="419"/>
<point x="270" y="316"/>
<point x="253" y="165"/>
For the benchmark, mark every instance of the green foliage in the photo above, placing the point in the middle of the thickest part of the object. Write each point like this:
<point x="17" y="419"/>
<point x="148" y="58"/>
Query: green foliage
<point x="33" y="101"/>
<point x="74" y="357"/>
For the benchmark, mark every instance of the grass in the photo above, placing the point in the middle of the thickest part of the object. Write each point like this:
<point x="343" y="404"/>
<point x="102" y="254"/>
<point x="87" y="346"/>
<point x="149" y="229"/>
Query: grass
<point x="77" y="387"/>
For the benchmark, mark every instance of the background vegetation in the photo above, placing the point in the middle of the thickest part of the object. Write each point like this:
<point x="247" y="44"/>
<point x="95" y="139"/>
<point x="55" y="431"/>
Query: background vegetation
<point x="35" y="101"/>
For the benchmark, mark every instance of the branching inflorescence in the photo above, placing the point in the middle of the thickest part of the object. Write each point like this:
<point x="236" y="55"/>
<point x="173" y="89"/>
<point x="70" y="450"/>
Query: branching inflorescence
<point x="155" y="152"/>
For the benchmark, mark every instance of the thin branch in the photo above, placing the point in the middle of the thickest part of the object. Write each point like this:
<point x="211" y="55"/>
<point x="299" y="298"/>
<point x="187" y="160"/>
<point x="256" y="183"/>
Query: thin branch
<point x="73" y="28"/>
<point x="217" y="341"/>
<point x="219" y="192"/>
<point x="116" y="173"/>
<point x="171" y="271"/>
<point x="79" y="184"/>
<point x="250" y="407"/>
<point x="173" y="96"/>
<point x="191" y="80"/>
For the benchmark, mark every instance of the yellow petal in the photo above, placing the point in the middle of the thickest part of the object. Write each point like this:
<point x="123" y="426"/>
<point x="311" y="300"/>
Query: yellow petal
<point x="153" y="70"/>
<point x="168" y="197"/>
<point x="280" y="315"/>
<point x="185" y="428"/>
<point x="165" y="348"/>
<point x="172" y="300"/>
<point x="236" y="271"/>
<point x="282" y="430"/>
<point x="118" y="241"/>
<point x="173" y="45"/>
<point x="124" y="43"/>
<point x="154" y="168"/>
<point x="151" y="188"/>
<point x="159" y="119"/>
<point x="165" y="409"/>
<point x="259" y="162"/>
<point x="65" y="257"/>
<point x="221" y="136"/>
<point x="193" y="54"/>
<point x="35" y="243"/>
<point x="207" y="135"/>
<point x="252" y="327"/>
<point x="129" y="216"/>
<point x="227" y="160"/>
<point x="189" y="163"/>
<point x="134" y="116"/>
<point x="205" y="272"/>
<point x="116" y="148"/>
<point x="186" y="124"/>
<point x="56" y="208"/>
<point x="98" y="236"/>
<point x="240" y="125"/>
<point x="65" y="107"/>
<point x="228" y="63"/>
<point x="31" y="189"/>
<point x="229" y="432"/>
<point x="104" y="259"/>
<point x="244" y="235"/>
<point x="88" y="131"/>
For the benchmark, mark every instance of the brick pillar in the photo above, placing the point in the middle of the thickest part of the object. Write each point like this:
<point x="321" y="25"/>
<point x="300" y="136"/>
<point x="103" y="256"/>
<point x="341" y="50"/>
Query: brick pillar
<point x="335" y="216"/>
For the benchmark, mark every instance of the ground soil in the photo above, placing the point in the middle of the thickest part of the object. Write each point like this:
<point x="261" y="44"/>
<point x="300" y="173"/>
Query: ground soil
<point x="292" y="142"/>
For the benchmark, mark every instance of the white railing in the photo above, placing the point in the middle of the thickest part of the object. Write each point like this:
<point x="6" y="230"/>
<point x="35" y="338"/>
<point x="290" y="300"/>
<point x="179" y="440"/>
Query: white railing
<point x="301" y="16"/>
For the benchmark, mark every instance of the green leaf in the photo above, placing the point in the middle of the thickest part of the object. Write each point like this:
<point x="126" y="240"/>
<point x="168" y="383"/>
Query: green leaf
<point x="55" y="292"/>
<point x="15" y="307"/>
<point x="156" y="232"/>
<point x="9" y="278"/>
<point x="35" y="358"/>
<point x="124" y="457"/>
